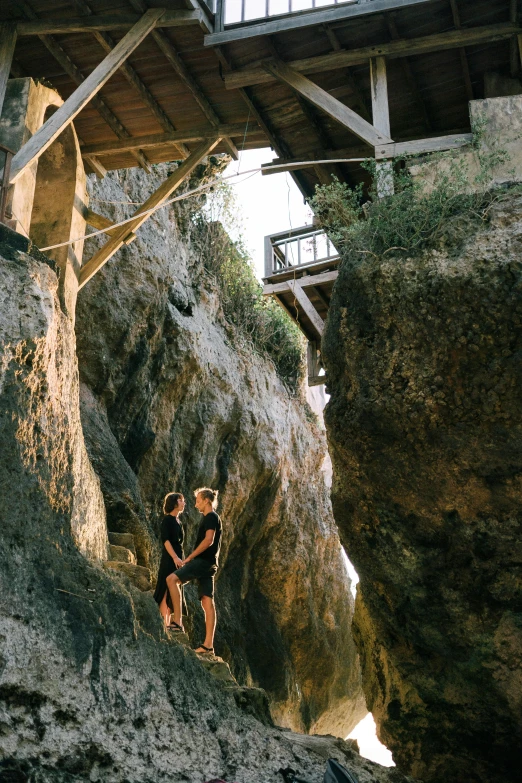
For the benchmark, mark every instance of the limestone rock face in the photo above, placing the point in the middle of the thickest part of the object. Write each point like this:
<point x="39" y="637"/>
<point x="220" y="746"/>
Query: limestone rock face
<point x="91" y="689"/>
<point x="171" y="401"/>
<point x="425" y="429"/>
<point x="43" y="451"/>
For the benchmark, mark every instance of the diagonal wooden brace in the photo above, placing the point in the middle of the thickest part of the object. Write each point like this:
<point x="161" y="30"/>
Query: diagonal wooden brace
<point x="323" y="100"/>
<point x="120" y="235"/>
<point x="51" y="129"/>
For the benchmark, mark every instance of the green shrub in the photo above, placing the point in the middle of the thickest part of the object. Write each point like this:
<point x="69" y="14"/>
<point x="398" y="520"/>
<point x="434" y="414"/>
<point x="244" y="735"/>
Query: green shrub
<point x="257" y="320"/>
<point x="416" y="217"/>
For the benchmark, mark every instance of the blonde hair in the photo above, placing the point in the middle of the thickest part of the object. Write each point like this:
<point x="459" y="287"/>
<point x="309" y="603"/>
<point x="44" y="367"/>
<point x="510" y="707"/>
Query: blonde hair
<point x="209" y="494"/>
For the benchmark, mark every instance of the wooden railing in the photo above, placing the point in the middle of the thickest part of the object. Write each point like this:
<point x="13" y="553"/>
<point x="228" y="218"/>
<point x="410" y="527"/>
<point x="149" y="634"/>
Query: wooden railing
<point x="233" y="12"/>
<point x="300" y="247"/>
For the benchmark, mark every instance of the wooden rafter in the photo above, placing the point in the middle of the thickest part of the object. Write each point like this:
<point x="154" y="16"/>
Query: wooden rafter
<point x="307" y="19"/>
<point x="254" y="110"/>
<point x="76" y="75"/>
<point x="63" y="116"/>
<point x="170" y="52"/>
<point x="106" y="22"/>
<point x="161" y="139"/>
<point x="120" y="235"/>
<point x="331" y="106"/>
<point x="134" y="80"/>
<point x="453" y="39"/>
<point x="359" y="99"/>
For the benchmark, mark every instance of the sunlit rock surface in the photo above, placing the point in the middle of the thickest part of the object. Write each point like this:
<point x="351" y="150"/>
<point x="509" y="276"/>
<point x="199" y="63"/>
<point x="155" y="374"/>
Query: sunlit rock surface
<point x="170" y="402"/>
<point x="424" y="360"/>
<point x="91" y="689"/>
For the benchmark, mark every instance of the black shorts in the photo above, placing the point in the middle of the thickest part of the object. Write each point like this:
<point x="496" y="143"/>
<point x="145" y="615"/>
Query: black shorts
<point x="201" y="570"/>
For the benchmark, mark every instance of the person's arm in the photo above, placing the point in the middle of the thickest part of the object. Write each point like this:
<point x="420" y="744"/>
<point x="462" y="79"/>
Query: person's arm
<point x="207" y="541"/>
<point x="170" y="549"/>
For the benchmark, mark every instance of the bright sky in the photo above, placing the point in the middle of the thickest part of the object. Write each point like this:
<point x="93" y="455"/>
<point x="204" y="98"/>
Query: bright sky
<point x="269" y="204"/>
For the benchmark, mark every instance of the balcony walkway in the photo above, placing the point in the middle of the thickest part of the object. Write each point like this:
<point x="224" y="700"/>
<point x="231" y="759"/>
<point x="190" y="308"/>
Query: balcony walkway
<point x="300" y="271"/>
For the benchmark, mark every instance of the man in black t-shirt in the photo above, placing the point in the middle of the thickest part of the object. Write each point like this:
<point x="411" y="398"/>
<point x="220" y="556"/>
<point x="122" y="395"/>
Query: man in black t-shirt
<point x="201" y="565"/>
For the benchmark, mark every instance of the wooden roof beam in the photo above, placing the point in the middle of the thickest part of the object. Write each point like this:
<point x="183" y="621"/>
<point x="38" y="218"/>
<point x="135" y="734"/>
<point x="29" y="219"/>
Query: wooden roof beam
<point x="106" y="23"/>
<point x="453" y="39"/>
<point x="87" y="91"/>
<point x="162" y="139"/>
<point x="121" y="234"/>
<point x="515" y="44"/>
<point x="134" y="80"/>
<point x="331" y="106"/>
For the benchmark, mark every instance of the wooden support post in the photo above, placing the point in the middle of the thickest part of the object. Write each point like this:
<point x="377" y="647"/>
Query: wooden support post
<point x="323" y="100"/>
<point x="453" y="39"/>
<point x="51" y="129"/>
<point x="141" y="215"/>
<point x="7" y="47"/>
<point x="312" y="359"/>
<point x="310" y="311"/>
<point x="381" y="121"/>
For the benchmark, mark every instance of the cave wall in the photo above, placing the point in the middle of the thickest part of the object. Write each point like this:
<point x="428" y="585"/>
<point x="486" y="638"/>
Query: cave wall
<point x="424" y="424"/>
<point x="173" y="400"/>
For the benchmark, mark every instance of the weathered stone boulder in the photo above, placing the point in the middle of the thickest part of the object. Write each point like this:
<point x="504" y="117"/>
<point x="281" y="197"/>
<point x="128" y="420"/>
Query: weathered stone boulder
<point x="424" y="361"/>
<point x="172" y="400"/>
<point x="91" y="689"/>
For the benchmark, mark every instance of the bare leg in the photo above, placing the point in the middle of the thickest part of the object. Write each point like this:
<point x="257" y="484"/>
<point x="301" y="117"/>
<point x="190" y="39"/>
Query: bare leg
<point x="164" y="610"/>
<point x="174" y="585"/>
<point x="209" y="609"/>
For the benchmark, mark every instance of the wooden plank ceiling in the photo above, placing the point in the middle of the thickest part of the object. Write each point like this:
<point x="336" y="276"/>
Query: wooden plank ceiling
<point x="428" y="93"/>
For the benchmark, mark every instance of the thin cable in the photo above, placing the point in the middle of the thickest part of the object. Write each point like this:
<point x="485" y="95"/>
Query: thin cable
<point x="192" y="193"/>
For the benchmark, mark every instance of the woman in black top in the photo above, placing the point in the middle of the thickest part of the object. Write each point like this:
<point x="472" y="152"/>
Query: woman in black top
<point x="172" y="551"/>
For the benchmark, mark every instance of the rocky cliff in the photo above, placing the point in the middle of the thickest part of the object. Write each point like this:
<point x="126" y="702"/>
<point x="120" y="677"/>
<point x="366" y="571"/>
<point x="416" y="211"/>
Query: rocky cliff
<point x="173" y="399"/>
<point x="425" y="429"/>
<point x="91" y="689"/>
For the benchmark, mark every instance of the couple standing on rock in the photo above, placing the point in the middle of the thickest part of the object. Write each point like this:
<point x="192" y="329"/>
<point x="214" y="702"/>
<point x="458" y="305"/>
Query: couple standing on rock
<point x="175" y="570"/>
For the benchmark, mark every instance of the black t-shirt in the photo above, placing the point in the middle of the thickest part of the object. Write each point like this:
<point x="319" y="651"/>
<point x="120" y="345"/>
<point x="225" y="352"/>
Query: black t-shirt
<point x="172" y="531"/>
<point x="210" y="521"/>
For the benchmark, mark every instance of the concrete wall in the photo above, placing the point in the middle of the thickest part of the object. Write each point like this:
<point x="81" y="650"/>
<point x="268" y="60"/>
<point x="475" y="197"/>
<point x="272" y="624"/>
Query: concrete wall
<point x="498" y="122"/>
<point x="48" y="199"/>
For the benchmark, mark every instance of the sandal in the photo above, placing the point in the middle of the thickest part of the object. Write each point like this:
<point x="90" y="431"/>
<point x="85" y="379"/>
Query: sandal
<point x="175" y="627"/>
<point x="202" y="650"/>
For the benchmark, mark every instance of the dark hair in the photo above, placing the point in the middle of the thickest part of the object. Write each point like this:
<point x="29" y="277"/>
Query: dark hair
<point x="171" y="501"/>
<point x="209" y="494"/>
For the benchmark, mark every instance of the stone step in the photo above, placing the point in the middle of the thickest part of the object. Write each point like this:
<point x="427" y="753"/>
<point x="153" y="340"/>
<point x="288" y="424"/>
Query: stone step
<point x="217" y="667"/>
<point x="121" y="554"/>
<point x="138" y="575"/>
<point x="253" y="701"/>
<point x="123" y="539"/>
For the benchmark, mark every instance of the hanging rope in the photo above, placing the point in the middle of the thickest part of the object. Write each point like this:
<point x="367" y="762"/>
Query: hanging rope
<point x="189" y="194"/>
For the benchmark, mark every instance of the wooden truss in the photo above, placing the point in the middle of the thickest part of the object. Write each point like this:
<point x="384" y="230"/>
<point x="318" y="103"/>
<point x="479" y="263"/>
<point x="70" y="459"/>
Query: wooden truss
<point x="120" y="236"/>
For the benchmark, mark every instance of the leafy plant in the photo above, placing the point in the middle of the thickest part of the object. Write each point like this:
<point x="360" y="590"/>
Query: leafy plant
<point x="258" y="322"/>
<point x="418" y="215"/>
